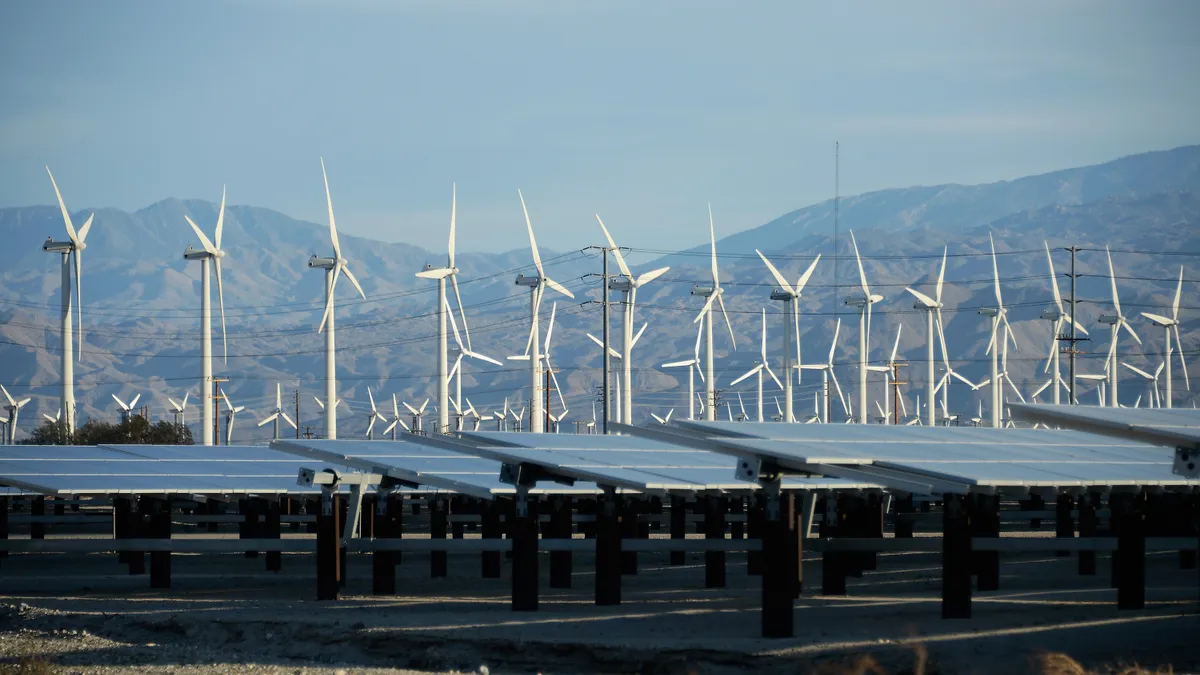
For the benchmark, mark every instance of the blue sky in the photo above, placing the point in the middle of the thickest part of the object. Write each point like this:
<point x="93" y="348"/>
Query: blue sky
<point x="641" y="111"/>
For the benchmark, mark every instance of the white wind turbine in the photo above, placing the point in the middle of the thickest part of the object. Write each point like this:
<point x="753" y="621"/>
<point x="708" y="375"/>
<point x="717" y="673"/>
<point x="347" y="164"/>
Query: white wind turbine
<point x="71" y="252"/>
<point x="1171" y="324"/>
<point x="14" y="410"/>
<point x="443" y="308"/>
<point x="211" y="251"/>
<point x="887" y="371"/>
<point x="536" y="285"/>
<point x="791" y="321"/>
<point x="758" y="369"/>
<point x="663" y="420"/>
<point x="178" y="409"/>
<point x="827" y="373"/>
<point x="321" y="405"/>
<point x="334" y="267"/>
<point x="1058" y="318"/>
<point x="616" y="410"/>
<point x="1117" y="322"/>
<point x="944" y="384"/>
<point x="931" y="306"/>
<point x="277" y="413"/>
<point x="126" y="408"/>
<point x="418" y="414"/>
<point x="231" y="412"/>
<point x="396" y="421"/>
<point x="864" y="303"/>
<point x="693" y="366"/>
<point x="374" y="417"/>
<point x="629" y="287"/>
<point x="1001" y="329"/>
<point x="714" y="294"/>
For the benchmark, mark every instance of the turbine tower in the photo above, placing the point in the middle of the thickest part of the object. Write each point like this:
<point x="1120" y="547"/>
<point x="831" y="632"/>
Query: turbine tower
<point x="1171" y="324"/>
<point x="827" y="374"/>
<point x="211" y="251"/>
<point x="629" y="287"/>
<point x="71" y="251"/>
<point x="931" y="306"/>
<point x="440" y="274"/>
<point x="334" y="267"/>
<point x="536" y="284"/>
<point x="712" y="293"/>
<point x="693" y="366"/>
<point x="790" y="295"/>
<point x="1117" y="322"/>
<point x="14" y="411"/>
<point x="864" y="303"/>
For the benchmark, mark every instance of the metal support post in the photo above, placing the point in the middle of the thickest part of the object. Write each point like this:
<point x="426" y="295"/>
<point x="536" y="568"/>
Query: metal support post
<point x="608" y="550"/>
<point x="714" y="528"/>
<point x="524" y="534"/>
<point x="956" y="558"/>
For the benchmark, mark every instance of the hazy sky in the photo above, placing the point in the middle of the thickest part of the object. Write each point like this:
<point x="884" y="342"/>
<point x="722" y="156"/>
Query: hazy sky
<point x="639" y="110"/>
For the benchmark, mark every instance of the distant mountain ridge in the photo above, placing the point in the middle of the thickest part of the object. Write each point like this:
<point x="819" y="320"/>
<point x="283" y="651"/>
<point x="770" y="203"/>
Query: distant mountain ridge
<point x="141" y="304"/>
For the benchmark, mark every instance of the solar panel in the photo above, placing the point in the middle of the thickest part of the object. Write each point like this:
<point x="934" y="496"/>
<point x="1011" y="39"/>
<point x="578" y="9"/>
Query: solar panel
<point x="1170" y="427"/>
<point x="666" y="466"/>
<point x="964" y="456"/>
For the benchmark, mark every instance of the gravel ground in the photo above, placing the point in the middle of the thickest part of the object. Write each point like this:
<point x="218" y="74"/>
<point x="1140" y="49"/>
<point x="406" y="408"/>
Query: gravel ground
<point x="224" y="614"/>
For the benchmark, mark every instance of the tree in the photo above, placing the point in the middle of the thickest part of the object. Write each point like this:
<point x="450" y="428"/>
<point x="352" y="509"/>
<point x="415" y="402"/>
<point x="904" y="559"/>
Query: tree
<point x="136" y="430"/>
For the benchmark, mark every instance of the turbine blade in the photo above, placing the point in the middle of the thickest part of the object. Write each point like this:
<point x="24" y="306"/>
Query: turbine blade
<point x="995" y="271"/>
<point x="550" y="329"/>
<point x="1053" y="279"/>
<point x="350" y="276"/>
<point x="453" y="214"/>
<point x="862" y="276"/>
<point x="221" y="300"/>
<point x="557" y="286"/>
<point x="1182" y="362"/>
<point x="1129" y="329"/>
<point x="287" y="419"/>
<point x="453" y="325"/>
<point x="220" y="221"/>
<point x="941" y="276"/>
<point x="1043" y="387"/>
<point x="204" y="241"/>
<point x="372" y="398"/>
<point x="833" y="345"/>
<point x="651" y="276"/>
<point x="924" y="299"/>
<point x="461" y="314"/>
<point x="707" y="307"/>
<point x="772" y="374"/>
<point x="537" y="259"/>
<point x="712" y="237"/>
<point x="803" y="280"/>
<point x="1178" y="290"/>
<point x="61" y="205"/>
<point x="896" y="344"/>
<point x="553" y="378"/>
<point x="637" y="337"/>
<point x="724" y="314"/>
<point x="747" y="374"/>
<point x="333" y="236"/>
<point x="1139" y="371"/>
<point x="616" y="251"/>
<point x="779" y="279"/>
<point x="1112" y="277"/>
<point x="133" y="403"/>
<point x="119" y="401"/>
<point x="270" y="418"/>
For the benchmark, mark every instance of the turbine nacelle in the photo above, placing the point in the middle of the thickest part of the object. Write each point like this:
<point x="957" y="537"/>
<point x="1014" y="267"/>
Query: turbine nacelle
<point x="703" y="291"/>
<point x="324" y="262"/>
<point x="52" y="246"/>
<point x="529" y="281"/>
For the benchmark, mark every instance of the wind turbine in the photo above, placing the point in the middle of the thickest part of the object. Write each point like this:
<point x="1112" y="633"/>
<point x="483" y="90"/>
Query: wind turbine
<point x="230" y="414"/>
<point x="14" y="410"/>
<point x="417" y="414"/>
<point x="827" y="373"/>
<point x="374" y="417"/>
<point x="536" y="284"/>
<point x="277" y="413"/>
<point x="55" y="418"/>
<point x="1057" y="316"/>
<point x="177" y="409"/>
<point x="443" y="308"/>
<point x="629" y="287"/>
<point x="944" y="383"/>
<point x="712" y="293"/>
<point x="887" y="371"/>
<point x="758" y="369"/>
<point x="663" y="420"/>
<point x="211" y="251"/>
<point x="999" y="316"/>
<point x="931" y="306"/>
<point x="556" y="420"/>
<point x="71" y="251"/>
<point x="391" y="428"/>
<point x="693" y="366"/>
<point x="1117" y="322"/>
<point x="791" y="295"/>
<point x="1171" y="324"/>
<point x="864" y="328"/>
<point x="334" y="267"/>
<point x="126" y="409"/>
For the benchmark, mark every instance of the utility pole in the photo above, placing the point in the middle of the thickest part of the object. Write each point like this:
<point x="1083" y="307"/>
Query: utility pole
<point x="896" y="382"/>
<point x="604" y="250"/>
<point x="307" y="432"/>
<point x="297" y="414"/>
<point x="1072" y="338"/>
<point x="546" y="402"/>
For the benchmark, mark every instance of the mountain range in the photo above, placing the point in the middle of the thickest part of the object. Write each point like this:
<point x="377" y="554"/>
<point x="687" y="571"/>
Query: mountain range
<point x="141" y="302"/>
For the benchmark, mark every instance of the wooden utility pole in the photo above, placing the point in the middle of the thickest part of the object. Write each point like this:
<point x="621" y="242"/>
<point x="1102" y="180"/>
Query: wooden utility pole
<point x="297" y="414"/>
<point x="1071" y="337"/>
<point x="896" y="382"/>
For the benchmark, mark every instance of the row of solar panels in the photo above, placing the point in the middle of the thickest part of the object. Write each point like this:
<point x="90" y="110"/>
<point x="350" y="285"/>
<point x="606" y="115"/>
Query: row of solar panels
<point x="686" y="457"/>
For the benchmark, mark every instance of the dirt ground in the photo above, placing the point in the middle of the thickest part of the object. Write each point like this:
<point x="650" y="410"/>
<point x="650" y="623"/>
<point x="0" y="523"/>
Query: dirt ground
<point x="225" y="614"/>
